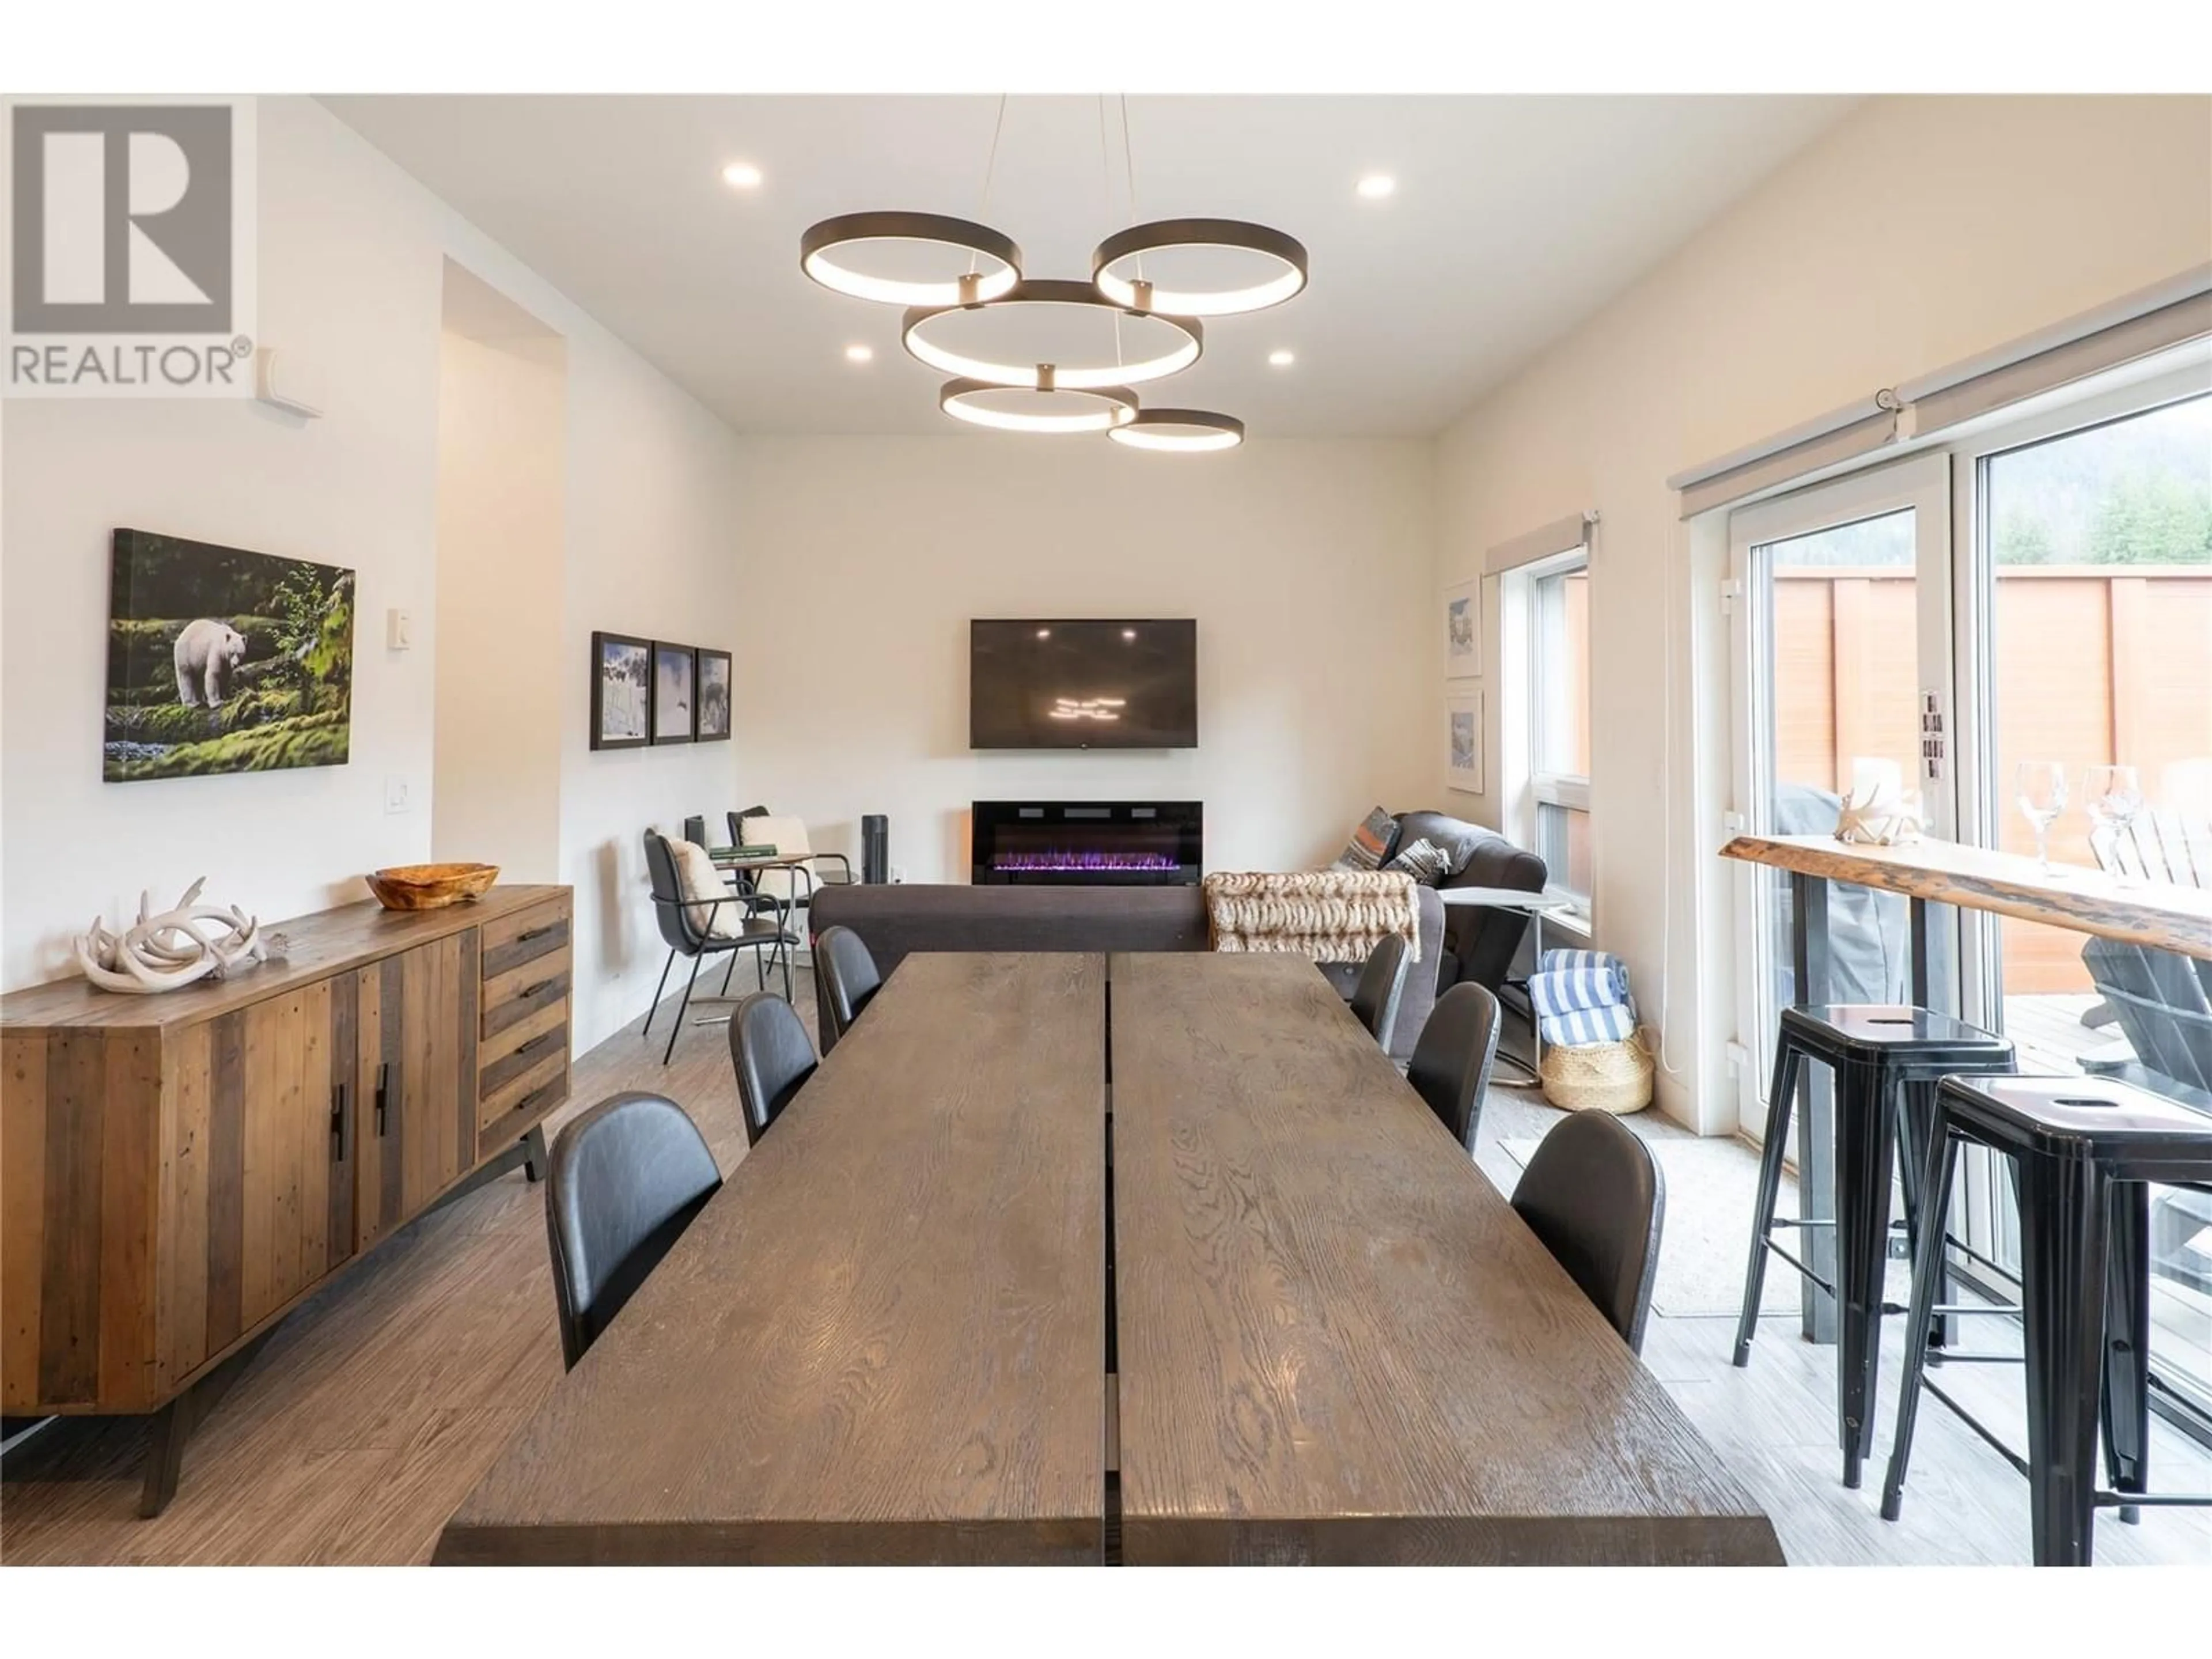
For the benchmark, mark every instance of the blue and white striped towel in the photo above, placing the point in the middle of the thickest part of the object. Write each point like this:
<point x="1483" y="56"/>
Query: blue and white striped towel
<point x="1569" y="980"/>
<point x="1579" y="1027"/>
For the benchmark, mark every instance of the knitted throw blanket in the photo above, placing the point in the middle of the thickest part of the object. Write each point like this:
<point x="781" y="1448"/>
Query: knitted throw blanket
<point x="1328" y="915"/>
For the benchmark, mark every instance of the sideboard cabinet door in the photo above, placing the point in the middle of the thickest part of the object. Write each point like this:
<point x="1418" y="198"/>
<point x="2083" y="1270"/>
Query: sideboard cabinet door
<point x="255" y="1197"/>
<point x="415" y="1015"/>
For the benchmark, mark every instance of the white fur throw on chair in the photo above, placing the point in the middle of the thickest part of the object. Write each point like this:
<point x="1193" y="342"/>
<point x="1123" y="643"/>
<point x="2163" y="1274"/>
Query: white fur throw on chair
<point x="1328" y="915"/>
<point x="710" y="901"/>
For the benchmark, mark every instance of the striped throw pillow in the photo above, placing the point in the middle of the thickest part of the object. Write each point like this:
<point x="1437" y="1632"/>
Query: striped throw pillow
<point x="1364" y="850"/>
<point x="1424" y="861"/>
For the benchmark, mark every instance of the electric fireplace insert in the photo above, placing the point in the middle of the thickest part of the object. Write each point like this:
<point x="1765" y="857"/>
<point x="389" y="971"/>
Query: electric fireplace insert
<point x="1088" y="844"/>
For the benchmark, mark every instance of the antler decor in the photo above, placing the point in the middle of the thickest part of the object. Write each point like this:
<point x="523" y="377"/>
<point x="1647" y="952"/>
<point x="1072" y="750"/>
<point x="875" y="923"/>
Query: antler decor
<point x="1881" y="819"/>
<point x="177" y="948"/>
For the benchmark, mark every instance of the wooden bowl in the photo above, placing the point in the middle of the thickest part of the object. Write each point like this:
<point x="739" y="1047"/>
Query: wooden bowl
<point x="430" y="886"/>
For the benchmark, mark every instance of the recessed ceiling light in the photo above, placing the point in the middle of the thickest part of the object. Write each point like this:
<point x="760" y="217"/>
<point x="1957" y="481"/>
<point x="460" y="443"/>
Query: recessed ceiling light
<point x="1377" y="185"/>
<point x="741" y="175"/>
<point x="1282" y="359"/>
<point x="860" y="354"/>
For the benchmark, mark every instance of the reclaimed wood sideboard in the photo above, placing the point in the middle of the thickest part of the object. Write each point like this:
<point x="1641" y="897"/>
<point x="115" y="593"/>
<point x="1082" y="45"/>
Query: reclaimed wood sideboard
<point x="180" y="1171"/>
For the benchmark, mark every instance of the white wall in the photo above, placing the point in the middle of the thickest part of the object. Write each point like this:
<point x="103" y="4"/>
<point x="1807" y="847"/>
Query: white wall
<point x="352" y="254"/>
<point x="501" y="595"/>
<point x="1917" y="231"/>
<point x="1305" y="564"/>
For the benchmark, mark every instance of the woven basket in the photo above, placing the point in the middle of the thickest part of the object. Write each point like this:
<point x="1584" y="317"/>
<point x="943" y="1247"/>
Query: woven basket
<point x="1610" y="1077"/>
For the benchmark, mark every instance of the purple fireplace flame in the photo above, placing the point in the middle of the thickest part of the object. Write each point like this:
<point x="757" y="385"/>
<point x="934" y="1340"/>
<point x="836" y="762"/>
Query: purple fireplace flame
<point x="1031" y="863"/>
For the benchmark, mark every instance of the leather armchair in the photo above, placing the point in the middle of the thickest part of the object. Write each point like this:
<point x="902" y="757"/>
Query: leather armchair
<point x="1479" y="944"/>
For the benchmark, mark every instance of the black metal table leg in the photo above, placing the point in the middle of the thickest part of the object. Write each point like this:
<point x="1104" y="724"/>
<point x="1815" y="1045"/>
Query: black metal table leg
<point x="1935" y="1177"/>
<point x="1865" y="1148"/>
<point x="1787" y="1063"/>
<point x="2127" y="1345"/>
<point x="2063" y="1203"/>
<point x="1809" y="916"/>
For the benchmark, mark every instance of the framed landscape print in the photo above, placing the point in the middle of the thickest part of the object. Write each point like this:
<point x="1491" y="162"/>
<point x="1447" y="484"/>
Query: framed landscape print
<point x="223" y="660"/>
<point x="675" y="691"/>
<point x="621" y="691"/>
<point x="1462" y="607"/>
<point x="713" y="721"/>
<point x="1463" y="743"/>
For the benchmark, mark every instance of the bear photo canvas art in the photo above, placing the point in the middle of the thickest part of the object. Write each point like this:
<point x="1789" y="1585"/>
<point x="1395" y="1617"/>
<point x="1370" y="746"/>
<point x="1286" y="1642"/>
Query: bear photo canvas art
<point x="223" y="660"/>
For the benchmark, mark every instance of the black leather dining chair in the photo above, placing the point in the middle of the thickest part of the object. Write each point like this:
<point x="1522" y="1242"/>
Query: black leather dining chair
<point x="1451" y="1062"/>
<point x="684" y="930"/>
<point x="1382" y="982"/>
<point x="624" y="1180"/>
<point x="1594" y="1194"/>
<point x="847" y="976"/>
<point x="773" y="1056"/>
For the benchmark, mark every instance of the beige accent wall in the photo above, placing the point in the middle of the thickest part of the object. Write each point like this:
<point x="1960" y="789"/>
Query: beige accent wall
<point x="1916" y="232"/>
<point x="1306" y="565"/>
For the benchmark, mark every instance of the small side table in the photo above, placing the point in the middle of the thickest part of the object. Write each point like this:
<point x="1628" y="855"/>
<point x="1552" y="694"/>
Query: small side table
<point x="1534" y="906"/>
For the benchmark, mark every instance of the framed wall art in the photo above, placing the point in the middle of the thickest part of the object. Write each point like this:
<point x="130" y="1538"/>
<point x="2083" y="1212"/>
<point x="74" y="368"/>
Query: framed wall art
<point x="621" y="691"/>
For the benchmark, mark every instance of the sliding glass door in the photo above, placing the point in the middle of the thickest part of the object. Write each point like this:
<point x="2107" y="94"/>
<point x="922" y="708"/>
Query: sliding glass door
<point x="1841" y="597"/>
<point x="2040" y="591"/>
<point x="2090" y="659"/>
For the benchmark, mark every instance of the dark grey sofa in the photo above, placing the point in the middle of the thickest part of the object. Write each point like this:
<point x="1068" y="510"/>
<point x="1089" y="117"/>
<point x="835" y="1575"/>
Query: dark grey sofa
<point x="893" y="921"/>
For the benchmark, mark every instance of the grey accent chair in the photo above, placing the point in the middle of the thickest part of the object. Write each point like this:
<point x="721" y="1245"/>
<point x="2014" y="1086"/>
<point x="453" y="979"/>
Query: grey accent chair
<point x="1382" y="983"/>
<point x="1451" y="1063"/>
<point x="1593" y="1192"/>
<point x="845" y="978"/>
<point x="774" y="1057"/>
<point x="624" y="1180"/>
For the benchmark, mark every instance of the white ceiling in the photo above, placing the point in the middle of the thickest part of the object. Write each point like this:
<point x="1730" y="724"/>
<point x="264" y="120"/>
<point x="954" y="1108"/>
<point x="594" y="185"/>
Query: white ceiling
<point x="1514" y="219"/>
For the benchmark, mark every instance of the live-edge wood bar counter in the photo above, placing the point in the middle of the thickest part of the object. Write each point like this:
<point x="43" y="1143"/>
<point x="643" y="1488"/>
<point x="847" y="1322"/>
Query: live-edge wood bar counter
<point x="1935" y="873"/>
<point x="182" y="1170"/>
<point x="1338" y="1343"/>
<point x="883" y="1339"/>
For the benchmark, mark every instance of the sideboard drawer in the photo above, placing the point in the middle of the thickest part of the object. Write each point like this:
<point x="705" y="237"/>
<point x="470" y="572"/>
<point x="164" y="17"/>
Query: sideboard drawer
<point x="510" y="941"/>
<point x="527" y="988"/>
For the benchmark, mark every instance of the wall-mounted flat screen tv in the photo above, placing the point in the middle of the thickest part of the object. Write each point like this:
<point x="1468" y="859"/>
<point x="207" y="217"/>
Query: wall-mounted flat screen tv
<point x="1046" y="684"/>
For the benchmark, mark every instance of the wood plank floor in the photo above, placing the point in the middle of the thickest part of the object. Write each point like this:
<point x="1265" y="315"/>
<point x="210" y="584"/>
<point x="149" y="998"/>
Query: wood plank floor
<point x="375" y="1409"/>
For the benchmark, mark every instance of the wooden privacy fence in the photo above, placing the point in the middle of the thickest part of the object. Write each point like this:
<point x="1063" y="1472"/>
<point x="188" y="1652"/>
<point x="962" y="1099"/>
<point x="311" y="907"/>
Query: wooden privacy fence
<point x="2089" y="664"/>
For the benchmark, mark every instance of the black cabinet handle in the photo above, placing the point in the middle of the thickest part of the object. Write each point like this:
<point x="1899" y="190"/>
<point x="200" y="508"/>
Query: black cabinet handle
<point x="337" y="1123"/>
<point x="530" y="991"/>
<point x="535" y="933"/>
<point x="383" y="1095"/>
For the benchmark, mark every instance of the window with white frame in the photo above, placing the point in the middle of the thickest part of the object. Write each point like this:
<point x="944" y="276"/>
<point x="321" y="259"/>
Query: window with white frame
<point x="1559" y="705"/>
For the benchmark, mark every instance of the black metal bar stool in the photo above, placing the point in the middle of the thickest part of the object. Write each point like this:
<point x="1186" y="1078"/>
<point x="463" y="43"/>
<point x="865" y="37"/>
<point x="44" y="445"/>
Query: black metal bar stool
<point x="1887" y="1060"/>
<point x="2083" y="1147"/>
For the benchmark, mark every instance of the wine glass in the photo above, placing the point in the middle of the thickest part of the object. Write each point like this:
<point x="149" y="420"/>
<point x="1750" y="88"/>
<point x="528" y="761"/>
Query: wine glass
<point x="2113" y="797"/>
<point x="2041" y="790"/>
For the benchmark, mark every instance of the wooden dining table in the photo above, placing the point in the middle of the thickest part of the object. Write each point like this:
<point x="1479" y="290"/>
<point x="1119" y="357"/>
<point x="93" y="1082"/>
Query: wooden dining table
<point x="1065" y="1259"/>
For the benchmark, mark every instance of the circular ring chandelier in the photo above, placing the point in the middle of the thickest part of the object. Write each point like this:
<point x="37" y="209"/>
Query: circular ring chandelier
<point x="1043" y="407"/>
<point x="1187" y="431"/>
<point x="995" y="262"/>
<point x="1048" y="376"/>
<point x="1128" y="288"/>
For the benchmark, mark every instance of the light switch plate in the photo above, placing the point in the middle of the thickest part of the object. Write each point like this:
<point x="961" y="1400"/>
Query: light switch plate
<point x="399" y="631"/>
<point x="396" y="794"/>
